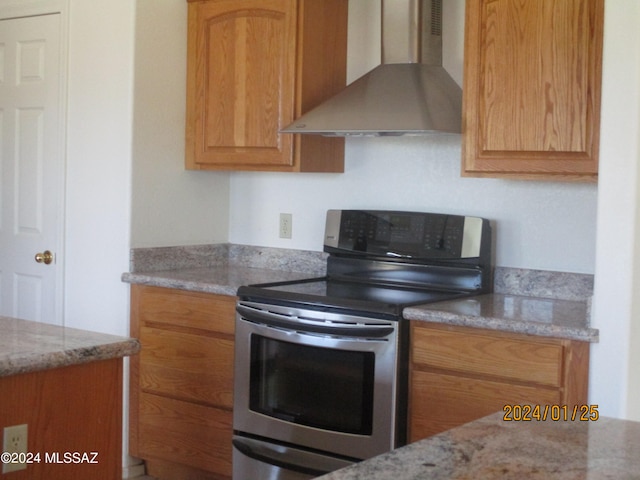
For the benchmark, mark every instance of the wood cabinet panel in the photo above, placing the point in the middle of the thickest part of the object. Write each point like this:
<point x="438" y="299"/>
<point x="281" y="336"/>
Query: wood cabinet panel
<point x="253" y="67"/>
<point x="71" y="409"/>
<point x="180" y="308"/>
<point x="181" y="393"/>
<point x="522" y="360"/>
<point x="446" y="401"/>
<point x="186" y="433"/>
<point x="191" y="367"/>
<point x="531" y="96"/>
<point x="244" y="81"/>
<point x="459" y="374"/>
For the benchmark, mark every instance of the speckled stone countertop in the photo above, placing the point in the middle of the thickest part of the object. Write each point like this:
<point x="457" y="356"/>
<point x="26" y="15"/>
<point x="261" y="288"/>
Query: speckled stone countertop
<point x="534" y="302"/>
<point x="219" y="279"/>
<point x="32" y="346"/>
<point x="491" y="448"/>
<point x="512" y="313"/>
<point x="220" y="269"/>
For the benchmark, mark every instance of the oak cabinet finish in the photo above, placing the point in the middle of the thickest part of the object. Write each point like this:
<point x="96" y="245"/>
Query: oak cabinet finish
<point x="76" y="408"/>
<point x="460" y="374"/>
<point x="532" y="82"/>
<point x="253" y="66"/>
<point x="182" y="382"/>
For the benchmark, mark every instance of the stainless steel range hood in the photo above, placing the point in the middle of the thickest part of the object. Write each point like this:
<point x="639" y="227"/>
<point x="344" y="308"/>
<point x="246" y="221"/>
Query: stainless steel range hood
<point x="410" y="93"/>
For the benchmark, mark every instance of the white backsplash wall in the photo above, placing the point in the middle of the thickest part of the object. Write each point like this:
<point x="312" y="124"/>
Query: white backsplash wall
<point x="538" y="225"/>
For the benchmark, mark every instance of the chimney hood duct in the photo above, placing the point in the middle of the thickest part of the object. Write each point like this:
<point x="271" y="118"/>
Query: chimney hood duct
<point x="410" y="93"/>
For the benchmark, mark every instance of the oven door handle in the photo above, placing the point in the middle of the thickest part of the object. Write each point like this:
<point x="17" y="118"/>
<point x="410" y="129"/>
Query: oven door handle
<point x="345" y="331"/>
<point x="278" y="459"/>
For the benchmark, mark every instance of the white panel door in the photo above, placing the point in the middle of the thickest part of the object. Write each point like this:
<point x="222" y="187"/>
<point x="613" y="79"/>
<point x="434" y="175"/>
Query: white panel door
<point x="32" y="168"/>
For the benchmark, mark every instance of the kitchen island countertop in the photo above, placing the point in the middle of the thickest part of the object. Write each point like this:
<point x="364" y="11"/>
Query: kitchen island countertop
<point x="491" y="448"/>
<point x="27" y="346"/>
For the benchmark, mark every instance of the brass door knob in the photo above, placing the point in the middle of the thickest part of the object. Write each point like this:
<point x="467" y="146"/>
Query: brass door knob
<point x="45" y="257"/>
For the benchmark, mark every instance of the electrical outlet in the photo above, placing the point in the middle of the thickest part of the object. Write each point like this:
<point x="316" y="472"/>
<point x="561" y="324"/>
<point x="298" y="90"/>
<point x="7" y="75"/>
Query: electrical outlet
<point x="15" y="441"/>
<point x="285" y="225"/>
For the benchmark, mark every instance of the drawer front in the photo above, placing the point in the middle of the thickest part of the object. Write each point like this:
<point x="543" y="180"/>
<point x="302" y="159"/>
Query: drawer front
<point x="524" y="360"/>
<point x="439" y="402"/>
<point x="204" y="311"/>
<point x="185" y="433"/>
<point x="187" y="366"/>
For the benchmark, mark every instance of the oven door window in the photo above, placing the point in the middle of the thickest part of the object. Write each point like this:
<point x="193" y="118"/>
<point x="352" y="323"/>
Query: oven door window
<point x="319" y="387"/>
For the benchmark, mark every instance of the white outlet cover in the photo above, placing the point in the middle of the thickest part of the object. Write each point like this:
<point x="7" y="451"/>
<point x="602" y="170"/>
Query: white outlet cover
<point x="14" y="441"/>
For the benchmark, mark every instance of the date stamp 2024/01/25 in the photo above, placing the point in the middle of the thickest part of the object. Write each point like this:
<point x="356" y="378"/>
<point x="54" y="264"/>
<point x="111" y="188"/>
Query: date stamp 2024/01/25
<point x="556" y="413"/>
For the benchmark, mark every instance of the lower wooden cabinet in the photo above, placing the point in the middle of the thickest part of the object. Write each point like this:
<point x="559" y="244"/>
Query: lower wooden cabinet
<point x="461" y="374"/>
<point x="181" y="395"/>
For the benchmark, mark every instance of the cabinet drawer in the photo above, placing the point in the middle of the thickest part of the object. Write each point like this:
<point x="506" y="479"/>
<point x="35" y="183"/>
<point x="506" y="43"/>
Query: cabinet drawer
<point x="187" y="366"/>
<point x="185" y="433"/>
<point x="440" y="402"/>
<point x="204" y="311"/>
<point x="525" y="360"/>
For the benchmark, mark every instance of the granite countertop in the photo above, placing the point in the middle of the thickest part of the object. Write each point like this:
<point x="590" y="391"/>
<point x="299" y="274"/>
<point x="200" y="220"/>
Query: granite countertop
<point x="534" y="302"/>
<point x="27" y="346"/>
<point x="491" y="448"/>
<point x="220" y="269"/>
<point x="219" y="279"/>
<point x="512" y="313"/>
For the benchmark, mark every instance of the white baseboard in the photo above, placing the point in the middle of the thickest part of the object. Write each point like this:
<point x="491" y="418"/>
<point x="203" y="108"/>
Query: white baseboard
<point x="133" y="471"/>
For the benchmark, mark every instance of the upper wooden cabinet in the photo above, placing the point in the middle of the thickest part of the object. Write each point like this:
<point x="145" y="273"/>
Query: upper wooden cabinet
<point x="531" y="96"/>
<point x="253" y="67"/>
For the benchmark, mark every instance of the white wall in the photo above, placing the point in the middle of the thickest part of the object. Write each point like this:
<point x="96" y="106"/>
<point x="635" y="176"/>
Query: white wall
<point x="170" y="206"/>
<point x="98" y="164"/>
<point x="538" y="225"/>
<point x="615" y="372"/>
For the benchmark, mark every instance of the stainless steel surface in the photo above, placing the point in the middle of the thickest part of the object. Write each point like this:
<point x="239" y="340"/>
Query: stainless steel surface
<point x="409" y="94"/>
<point x="332" y="228"/>
<point x="471" y="237"/>
<point x="260" y="460"/>
<point x="385" y="348"/>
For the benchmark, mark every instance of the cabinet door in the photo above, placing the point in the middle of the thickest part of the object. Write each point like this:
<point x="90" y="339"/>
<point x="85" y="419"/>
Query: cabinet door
<point x="191" y="367"/>
<point x="241" y="82"/>
<point x="460" y="374"/>
<point x="441" y="401"/>
<point x="531" y="104"/>
<point x="533" y="360"/>
<point x="186" y="434"/>
<point x="181" y="394"/>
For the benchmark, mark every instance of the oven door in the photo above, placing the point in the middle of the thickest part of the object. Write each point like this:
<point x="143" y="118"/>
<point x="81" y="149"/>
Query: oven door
<point x="316" y="379"/>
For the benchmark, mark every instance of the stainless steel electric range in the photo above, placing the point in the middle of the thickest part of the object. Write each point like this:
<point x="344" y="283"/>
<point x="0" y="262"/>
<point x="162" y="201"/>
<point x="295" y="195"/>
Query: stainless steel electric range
<point x="321" y="364"/>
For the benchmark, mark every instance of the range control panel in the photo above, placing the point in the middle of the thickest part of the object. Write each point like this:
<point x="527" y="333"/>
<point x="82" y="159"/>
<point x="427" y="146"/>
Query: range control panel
<point x="410" y="235"/>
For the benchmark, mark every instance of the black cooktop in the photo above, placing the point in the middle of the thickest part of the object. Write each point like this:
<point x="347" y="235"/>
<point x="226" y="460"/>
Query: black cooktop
<point x="328" y="294"/>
